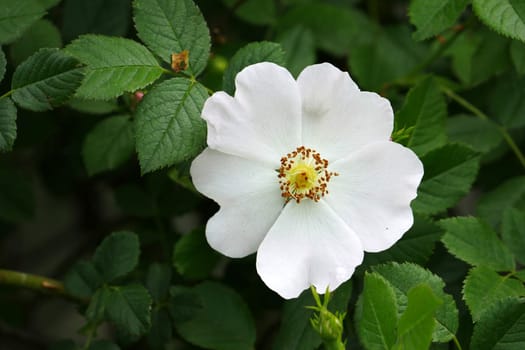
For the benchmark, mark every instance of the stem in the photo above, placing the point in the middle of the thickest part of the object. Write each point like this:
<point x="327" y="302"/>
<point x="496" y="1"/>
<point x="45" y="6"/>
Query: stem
<point x="334" y="345"/>
<point x="37" y="283"/>
<point x="477" y="112"/>
<point x="456" y="342"/>
<point x="7" y="94"/>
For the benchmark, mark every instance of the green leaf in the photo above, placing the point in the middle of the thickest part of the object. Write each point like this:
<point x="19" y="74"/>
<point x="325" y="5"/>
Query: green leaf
<point x="45" y="80"/>
<point x="484" y="287"/>
<point x="17" y="202"/>
<point x="434" y="16"/>
<point x="252" y="53"/>
<point x="168" y="125"/>
<point x="502" y="326"/>
<point x="8" y="114"/>
<point x="117" y="255"/>
<point x="17" y="16"/>
<point x="47" y="4"/>
<point x="493" y="204"/>
<point x="83" y="279"/>
<point x="376" y="313"/>
<point x="92" y="106"/>
<point x="184" y="304"/>
<point x="476" y="243"/>
<point x="158" y="281"/>
<point x="129" y="308"/>
<point x="506" y="101"/>
<point x="96" y="310"/>
<point x="517" y="54"/>
<point x="296" y="332"/>
<point x="513" y="232"/>
<point x="109" y="144"/>
<point x="449" y="174"/>
<point x="299" y="49"/>
<point x="416" y="245"/>
<point x="403" y="277"/>
<point x="416" y="324"/>
<point x="425" y="111"/>
<point x="3" y="63"/>
<point x="258" y="12"/>
<point x="126" y="66"/>
<point x="95" y="17"/>
<point x="42" y="33"/>
<point x="479" y="134"/>
<point x="336" y="29"/>
<point x="478" y="56"/>
<point x="223" y="322"/>
<point x="387" y="55"/>
<point x="507" y="17"/>
<point x="168" y="27"/>
<point x="192" y="256"/>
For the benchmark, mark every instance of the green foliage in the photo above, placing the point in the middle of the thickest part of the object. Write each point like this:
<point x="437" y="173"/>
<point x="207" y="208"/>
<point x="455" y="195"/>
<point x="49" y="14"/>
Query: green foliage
<point x="384" y="57"/>
<point x="481" y="135"/>
<point x="513" y="232"/>
<point x="128" y="307"/>
<point x="223" y="322"/>
<point x="42" y="33"/>
<point x="494" y="203"/>
<point x="7" y="124"/>
<point x="501" y="327"/>
<point x="127" y="67"/>
<point x="376" y="314"/>
<point x="424" y="113"/>
<point x="250" y="54"/>
<point x="109" y="144"/>
<point x="168" y="27"/>
<point x="295" y="332"/>
<point x="45" y="80"/>
<point x="168" y="126"/>
<point x="474" y="242"/>
<point x="484" y="287"/>
<point x="117" y="255"/>
<point x="416" y="324"/>
<point x="72" y="119"/>
<point x="192" y="256"/>
<point x="507" y="17"/>
<point x="434" y="16"/>
<point x="299" y="48"/>
<point x="17" y="16"/>
<point x="449" y="174"/>
<point x="95" y="17"/>
<point x="404" y="277"/>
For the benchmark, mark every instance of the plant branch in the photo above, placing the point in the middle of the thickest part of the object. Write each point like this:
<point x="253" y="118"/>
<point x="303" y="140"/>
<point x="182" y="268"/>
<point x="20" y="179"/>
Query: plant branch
<point x="37" y="283"/>
<point x="477" y="112"/>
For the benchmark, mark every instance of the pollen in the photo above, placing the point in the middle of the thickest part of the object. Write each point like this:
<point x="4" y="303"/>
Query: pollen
<point x="304" y="174"/>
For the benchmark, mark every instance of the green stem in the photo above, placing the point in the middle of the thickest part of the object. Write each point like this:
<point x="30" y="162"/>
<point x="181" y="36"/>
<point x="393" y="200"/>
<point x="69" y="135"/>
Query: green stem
<point x="477" y="112"/>
<point x="334" y="345"/>
<point x="37" y="283"/>
<point x="7" y="94"/>
<point x="456" y="342"/>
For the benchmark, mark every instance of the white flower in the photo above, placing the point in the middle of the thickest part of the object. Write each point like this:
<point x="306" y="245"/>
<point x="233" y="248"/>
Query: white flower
<point x="305" y="174"/>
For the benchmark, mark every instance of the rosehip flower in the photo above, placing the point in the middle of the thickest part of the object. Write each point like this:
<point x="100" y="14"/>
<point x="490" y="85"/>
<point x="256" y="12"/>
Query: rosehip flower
<point x="305" y="175"/>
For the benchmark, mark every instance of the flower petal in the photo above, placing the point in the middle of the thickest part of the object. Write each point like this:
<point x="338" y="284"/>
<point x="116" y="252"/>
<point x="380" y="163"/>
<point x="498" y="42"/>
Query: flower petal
<point x="262" y="121"/>
<point x="308" y="245"/>
<point x="373" y="191"/>
<point x="249" y="196"/>
<point x="337" y="117"/>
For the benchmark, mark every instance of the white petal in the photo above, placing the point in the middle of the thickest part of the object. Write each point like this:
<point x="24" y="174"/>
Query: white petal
<point x="373" y="192"/>
<point x="337" y="117"/>
<point x="308" y="245"/>
<point x="262" y="121"/>
<point x="249" y="196"/>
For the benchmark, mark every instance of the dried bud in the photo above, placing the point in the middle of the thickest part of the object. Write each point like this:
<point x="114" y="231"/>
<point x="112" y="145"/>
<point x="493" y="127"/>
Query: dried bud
<point x="180" y="61"/>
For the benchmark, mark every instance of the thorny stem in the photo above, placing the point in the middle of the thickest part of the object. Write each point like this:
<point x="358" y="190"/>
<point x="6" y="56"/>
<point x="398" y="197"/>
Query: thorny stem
<point x="477" y="112"/>
<point x="35" y="282"/>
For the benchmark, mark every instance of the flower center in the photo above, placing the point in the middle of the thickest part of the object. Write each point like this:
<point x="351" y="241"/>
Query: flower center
<point x="304" y="174"/>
